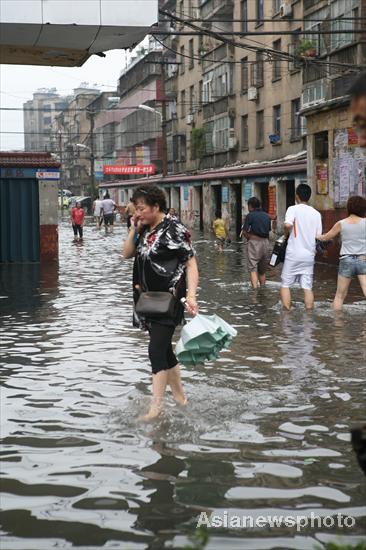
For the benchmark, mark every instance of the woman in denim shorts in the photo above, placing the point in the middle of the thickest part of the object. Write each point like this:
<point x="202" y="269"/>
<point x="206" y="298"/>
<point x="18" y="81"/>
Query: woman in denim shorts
<point x="352" y="258"/>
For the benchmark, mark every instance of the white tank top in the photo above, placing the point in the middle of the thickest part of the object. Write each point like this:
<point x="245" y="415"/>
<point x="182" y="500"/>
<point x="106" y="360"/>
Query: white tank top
<point x="353" y="238"/>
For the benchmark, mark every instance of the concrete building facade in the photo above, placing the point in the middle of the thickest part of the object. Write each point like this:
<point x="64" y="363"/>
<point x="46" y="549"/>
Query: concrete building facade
<point x="129" y="132"/>
<point x="237" y="108"/>
<point x="39" y="116"/>
<point x="336" y="162"/>
<point x="232" y="107"/>
<point x="72" y="128"/>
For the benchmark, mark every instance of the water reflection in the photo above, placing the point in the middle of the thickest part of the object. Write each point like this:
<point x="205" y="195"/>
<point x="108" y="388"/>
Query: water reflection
<point x="266" y="430"/>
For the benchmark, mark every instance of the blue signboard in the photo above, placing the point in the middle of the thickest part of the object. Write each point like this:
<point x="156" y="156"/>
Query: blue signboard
<point x="185" y="193"/>
<point x="225" y="194"/>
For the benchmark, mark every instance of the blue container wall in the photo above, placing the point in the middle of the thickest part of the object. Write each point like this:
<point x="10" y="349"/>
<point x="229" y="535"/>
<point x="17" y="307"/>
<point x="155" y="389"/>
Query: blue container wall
<point x="19" y="220"/>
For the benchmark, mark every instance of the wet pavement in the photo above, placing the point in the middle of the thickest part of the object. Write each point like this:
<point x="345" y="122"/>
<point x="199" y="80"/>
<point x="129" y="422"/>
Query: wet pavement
<point x="266" y="431"/>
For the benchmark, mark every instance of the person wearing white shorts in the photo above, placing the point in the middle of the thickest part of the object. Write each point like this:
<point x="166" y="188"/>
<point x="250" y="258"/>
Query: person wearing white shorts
<point x="302" y="224"/>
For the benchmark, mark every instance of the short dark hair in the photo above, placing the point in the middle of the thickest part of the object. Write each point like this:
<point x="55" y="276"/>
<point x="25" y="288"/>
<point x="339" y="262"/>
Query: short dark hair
<point x="358" y="88"/>
<point x="254" y="202"/>
<point x="152" y="195"/>
<point x="303" y="191"/>
<point x="356" y="205"/>
<point x="107" y="196"/>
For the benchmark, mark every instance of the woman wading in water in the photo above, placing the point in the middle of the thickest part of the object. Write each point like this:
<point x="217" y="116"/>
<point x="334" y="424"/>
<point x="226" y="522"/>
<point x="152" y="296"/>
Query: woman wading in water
<point x="164" y="262"/>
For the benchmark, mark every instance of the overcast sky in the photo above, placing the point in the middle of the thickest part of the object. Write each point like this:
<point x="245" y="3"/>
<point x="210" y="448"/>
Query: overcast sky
<point x="18" y="82"/>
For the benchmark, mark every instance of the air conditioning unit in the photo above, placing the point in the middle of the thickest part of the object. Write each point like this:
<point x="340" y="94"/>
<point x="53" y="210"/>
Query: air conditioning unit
<point x="189" y="119"/>
<point x="285" y="9"/>
<point x="252" y="93"/>
<point x="233" y="142"/>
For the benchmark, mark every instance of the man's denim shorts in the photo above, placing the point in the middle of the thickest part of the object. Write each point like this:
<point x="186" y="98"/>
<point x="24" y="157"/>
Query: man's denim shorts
<point x="350" y="266"/>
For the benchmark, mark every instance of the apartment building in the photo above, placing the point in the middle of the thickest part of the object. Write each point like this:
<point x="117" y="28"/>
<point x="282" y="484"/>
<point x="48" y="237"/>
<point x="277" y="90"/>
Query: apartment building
<point x="71" y="140"/>
<point x="336" y="163"/>
<point x="235" y="106"/>
<point x="129" y="133"/>
<point x="39" y="114"/>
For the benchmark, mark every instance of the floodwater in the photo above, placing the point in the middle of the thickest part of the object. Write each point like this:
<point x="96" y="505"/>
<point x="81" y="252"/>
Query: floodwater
<point x="266" y="431"/>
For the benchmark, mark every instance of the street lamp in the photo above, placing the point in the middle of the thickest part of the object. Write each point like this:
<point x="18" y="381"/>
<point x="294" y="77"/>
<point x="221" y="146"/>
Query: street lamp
<point x="151" y="110"/>
<point x="163" y="133"/>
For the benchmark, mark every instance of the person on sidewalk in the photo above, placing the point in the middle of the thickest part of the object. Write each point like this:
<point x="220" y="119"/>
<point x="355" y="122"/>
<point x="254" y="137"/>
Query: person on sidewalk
<point x="219" y="228"/>
<point x="77" y="220"/>
<point x="352" y="262"/>
<point x="165" y="262"/>
<point x="256" y="229"/>
<point x="302" y="225"/>
<point x="107" y="209"/>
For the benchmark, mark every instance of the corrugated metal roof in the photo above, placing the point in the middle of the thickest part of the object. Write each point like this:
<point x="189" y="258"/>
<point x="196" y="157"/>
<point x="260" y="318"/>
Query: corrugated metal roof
<point x="27" y="160"/>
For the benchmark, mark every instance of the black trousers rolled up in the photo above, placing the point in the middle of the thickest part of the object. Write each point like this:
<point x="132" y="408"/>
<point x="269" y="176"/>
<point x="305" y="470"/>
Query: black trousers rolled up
<point x="161" y="352"/>
<point x="78" y="229"/>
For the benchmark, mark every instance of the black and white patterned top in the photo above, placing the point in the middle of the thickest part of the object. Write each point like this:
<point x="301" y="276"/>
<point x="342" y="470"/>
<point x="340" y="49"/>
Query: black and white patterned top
<point x="160" y="262"/>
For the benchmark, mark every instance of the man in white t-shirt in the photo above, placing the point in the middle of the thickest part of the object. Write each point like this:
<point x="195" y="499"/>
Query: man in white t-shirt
<point x="302" y="224"/>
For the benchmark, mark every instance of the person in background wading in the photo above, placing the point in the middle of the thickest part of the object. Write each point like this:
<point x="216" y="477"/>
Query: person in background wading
<point x="164" y="262"/>
<point x="107" y="209"/>
<point x="352" y="262"/>
<point x="77" y="220"/>
<point x="256" y="229"/>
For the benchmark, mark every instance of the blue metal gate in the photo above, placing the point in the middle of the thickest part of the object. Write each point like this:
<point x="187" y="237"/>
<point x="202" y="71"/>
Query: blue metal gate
<point x="19" y="220"/>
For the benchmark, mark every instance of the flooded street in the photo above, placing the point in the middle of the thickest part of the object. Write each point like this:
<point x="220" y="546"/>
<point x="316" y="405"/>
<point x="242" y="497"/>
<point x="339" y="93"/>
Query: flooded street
<point x="266" y="431"/>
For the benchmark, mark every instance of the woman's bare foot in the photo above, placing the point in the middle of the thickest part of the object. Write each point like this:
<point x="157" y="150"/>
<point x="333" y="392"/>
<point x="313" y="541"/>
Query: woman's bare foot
<point x="155" y="410"/>
<point x="182" y="402"/>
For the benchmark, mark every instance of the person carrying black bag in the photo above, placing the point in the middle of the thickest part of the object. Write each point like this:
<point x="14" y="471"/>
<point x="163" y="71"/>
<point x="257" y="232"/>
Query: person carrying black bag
<point x="165" y="271"/>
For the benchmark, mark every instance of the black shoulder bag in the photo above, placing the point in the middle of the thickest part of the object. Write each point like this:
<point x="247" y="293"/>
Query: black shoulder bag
<point x="153" y="304"/>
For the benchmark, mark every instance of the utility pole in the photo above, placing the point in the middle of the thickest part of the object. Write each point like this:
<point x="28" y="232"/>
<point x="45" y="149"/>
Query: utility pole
<point x="92" y="156"/>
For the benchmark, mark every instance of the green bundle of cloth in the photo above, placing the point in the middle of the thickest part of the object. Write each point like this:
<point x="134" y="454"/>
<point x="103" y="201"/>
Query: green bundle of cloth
<point x="203" y="338"/>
